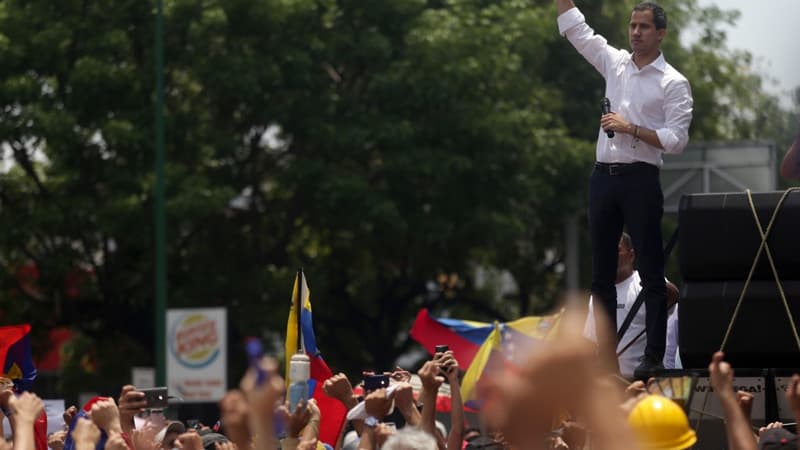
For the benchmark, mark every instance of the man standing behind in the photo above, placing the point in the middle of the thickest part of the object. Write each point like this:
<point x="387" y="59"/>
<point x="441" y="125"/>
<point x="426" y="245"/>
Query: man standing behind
<point x="652" y="104"/>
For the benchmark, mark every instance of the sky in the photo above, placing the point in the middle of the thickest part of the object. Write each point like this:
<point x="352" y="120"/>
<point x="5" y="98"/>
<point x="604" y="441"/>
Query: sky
<point x="770" y="30"/>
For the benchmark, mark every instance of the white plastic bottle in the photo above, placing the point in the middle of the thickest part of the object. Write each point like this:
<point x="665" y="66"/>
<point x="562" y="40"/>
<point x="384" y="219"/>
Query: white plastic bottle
<point x="299" y="373"/>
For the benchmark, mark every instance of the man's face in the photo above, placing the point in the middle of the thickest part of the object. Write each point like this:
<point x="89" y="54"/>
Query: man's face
<point x="642" y="33"/>
<point x="625" y="257"/>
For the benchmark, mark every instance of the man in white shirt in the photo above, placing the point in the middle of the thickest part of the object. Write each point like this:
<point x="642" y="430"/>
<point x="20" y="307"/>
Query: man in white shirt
<point x="652" y="112"/>
<point x="631" y="346"/>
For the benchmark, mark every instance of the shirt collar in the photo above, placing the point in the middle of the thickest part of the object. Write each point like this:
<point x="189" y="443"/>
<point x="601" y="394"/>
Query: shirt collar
<point x="659" y="63"/>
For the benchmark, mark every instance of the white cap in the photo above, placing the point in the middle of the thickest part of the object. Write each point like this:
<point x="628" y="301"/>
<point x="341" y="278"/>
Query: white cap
<point x="170" y="427"/>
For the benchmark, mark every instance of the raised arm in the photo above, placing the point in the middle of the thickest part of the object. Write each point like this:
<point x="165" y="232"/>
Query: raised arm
<point x="790" y="167"/>
<point x="564" y="6"/>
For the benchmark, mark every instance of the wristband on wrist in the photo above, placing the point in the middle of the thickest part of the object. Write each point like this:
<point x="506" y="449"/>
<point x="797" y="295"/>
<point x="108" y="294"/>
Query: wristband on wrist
<point x="636" y="132"/>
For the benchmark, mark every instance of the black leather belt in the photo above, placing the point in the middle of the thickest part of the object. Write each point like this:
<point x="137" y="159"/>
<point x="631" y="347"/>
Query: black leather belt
<point x="624" y="168"/>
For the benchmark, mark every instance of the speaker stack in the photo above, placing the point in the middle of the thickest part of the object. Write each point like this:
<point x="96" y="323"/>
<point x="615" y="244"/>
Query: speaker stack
<point x="718" y="241"/>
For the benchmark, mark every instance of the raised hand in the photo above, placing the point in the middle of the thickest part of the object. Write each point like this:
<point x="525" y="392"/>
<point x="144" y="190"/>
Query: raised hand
<point x="339" y="387"/>
<point x="378" y="404"/>
<point x="25" y="408"/>
<point x="428" y="375"/>
<point x="56" y="440"/>
<point x="115" y="442"/>
<point x="85" y="434"/>
<point x="793" y="395"/>
<point x="131" y="402"/>
<point x="721" y="374"/>
<point x="189" y="441"/>
<point x="105" y="415"/>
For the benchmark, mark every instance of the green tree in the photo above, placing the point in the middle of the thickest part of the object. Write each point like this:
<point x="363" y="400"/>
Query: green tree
<point x="381" y="146"/>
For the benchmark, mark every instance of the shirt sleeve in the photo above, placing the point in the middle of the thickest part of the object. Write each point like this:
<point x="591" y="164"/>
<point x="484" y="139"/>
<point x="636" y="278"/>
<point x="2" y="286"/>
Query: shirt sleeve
<point x="678" y="105"/>
<point x="672" y="339"/>
<point x="593" y="47"/>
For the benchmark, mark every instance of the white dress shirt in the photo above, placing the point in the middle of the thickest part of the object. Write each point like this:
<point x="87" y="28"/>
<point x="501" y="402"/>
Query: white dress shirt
<point x="656" y="97"/>
<point x="636" y="341"/>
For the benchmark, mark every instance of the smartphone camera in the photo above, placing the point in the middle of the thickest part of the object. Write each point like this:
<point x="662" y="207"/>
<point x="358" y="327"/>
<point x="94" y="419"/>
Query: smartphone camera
<point x="375" y="382"/>
<point x="441" y="348"/>
<point x="156" y="398"/>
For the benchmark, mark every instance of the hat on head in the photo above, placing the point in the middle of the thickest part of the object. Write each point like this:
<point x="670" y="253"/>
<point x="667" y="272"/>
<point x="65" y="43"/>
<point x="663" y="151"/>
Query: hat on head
<point x="660" y="424"/>
<point x="170" y="427"/>
<point x="777" y="438"/>
<point x="209" y="439"/>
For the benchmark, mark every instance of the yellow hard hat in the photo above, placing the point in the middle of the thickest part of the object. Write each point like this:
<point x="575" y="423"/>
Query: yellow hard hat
<point x="660" y="424"/>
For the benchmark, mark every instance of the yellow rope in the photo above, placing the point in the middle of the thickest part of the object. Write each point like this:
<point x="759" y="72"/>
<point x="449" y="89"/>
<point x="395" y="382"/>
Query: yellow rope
<point x="764" y="235"/>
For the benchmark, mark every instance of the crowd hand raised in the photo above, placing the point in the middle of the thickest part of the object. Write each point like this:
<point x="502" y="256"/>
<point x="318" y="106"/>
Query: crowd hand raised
<point x="428" y="375"/>
<point x="793" y="395"/>
<point x="400" y="375"/>
<point x="234" y="410"/>
<point x="382" y="433"/>
<point x="115" y="442"/>
<point x="339" y="387"/>
<point x="56" y="440"/>
<point x="105" y="415"/>
<point x="85" y="434"/>
<point x="26" y="407"/>
<point x="404" y="397"/>
<point x="556" y="377"/>
<point x="189" y="441"/>
<point x="262" y="398"/>
<point x="745" y="401"/>
<point x="296" y="421"/>
<point x="235" y="414"/>
<point x="449" y="366"/>
<point x="69" y="415"/>
<point x="144" y="438"/>
<point x="721" y="374"/>
<point x="131" y="402"/>
<point x="770" y="426"/>
<point x="378" y="404"/>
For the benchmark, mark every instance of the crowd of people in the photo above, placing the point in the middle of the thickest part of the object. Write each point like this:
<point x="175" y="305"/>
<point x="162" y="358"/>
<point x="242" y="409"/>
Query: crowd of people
<point x="563" y="395"/>
<point x="566" y="394"/>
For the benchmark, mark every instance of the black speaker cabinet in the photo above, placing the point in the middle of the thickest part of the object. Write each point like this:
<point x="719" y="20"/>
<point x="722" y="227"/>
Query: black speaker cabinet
<point x="718" y="236"/>
<point x="761" y="335"/>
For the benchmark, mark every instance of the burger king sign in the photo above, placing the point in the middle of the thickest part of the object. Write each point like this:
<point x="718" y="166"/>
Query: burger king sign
<point x="196" y="354"/>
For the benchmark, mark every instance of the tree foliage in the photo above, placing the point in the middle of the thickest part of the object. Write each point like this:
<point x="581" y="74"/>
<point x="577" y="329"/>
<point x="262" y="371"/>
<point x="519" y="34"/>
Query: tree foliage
<point x="389" y="148"/>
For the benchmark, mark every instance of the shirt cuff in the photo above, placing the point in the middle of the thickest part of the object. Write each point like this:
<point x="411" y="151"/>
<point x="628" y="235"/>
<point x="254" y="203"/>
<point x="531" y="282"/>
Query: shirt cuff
<point x="670" y="141"/>
<point x="569" y="19"/>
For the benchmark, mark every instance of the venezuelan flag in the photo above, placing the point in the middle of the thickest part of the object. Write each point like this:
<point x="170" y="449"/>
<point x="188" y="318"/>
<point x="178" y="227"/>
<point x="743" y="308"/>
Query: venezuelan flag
<point x="15" y="353"/>
<point x="332" y="411"/>
<point x="483" y="347"/>
<point x="465" y="337"/>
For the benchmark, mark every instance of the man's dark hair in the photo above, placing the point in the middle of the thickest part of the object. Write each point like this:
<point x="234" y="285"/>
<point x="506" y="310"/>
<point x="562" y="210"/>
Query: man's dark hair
<point x="659" y="15"/>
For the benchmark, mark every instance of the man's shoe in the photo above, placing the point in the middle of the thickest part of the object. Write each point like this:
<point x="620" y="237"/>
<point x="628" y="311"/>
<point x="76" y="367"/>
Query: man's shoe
<point x="647" y="367"/>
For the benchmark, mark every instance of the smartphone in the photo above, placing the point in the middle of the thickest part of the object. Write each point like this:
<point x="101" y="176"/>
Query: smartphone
<point x="375" y="382"/>
<point x="156" y="398"/>
<point x="441" y="348"/>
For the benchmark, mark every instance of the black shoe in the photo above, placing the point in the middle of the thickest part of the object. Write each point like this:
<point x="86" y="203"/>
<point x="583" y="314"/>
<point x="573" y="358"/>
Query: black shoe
<point x="647" y="367"/>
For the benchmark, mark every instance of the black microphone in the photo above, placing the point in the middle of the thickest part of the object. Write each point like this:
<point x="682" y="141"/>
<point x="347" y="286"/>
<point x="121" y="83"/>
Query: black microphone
<point x="605" y="105"/>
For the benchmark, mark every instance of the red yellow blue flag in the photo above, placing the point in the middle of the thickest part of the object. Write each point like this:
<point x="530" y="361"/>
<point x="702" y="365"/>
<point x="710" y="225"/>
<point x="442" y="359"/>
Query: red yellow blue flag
<point x="15" y="354"/>
<point x="300" y="336"/>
